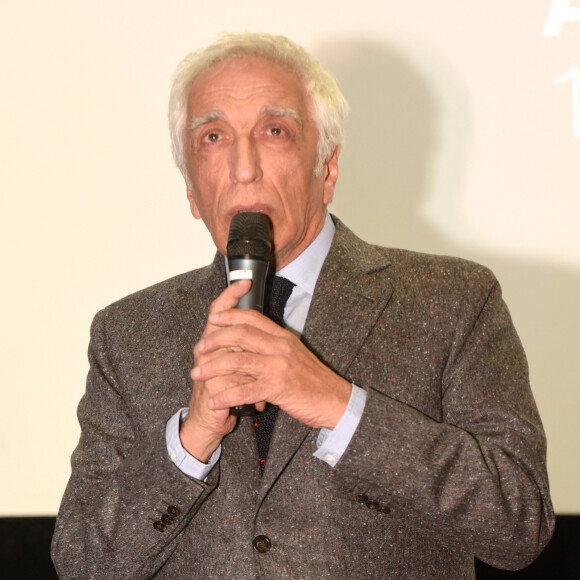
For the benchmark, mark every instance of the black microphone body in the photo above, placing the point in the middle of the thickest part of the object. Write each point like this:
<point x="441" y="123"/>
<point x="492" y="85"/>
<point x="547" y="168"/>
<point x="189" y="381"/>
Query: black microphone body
<point x="248" y="252"/>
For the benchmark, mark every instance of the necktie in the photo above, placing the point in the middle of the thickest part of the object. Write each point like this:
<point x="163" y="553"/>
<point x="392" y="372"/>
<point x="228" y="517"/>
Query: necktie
<point x="264" y="422"/>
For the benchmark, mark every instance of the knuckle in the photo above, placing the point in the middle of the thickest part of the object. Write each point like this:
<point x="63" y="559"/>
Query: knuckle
<point x="287" y="348"/>
<point x="286" y="364"/>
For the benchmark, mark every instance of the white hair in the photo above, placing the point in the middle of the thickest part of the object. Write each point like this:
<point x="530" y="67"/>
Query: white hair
<point x="328" y="103"/>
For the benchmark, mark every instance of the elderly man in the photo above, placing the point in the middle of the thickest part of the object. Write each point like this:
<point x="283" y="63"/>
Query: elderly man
<point x="399" y="437"/>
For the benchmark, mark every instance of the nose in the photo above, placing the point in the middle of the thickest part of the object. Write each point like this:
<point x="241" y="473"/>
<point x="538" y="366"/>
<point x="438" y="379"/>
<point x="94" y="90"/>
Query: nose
<point x="245" y="163"/>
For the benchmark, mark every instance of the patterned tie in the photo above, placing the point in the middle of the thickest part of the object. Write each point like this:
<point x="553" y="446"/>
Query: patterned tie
<point x="264" y="422"/>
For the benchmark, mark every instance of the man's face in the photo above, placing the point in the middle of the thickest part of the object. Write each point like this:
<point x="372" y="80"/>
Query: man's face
<point x="251" y="145"/>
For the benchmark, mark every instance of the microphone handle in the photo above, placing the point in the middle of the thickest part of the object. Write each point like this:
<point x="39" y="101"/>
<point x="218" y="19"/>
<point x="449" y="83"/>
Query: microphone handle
<point x="256" y="270"/>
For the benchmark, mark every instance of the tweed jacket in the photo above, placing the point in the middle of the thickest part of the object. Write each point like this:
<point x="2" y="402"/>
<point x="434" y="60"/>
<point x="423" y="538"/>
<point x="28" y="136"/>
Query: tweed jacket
<point x="447" y="463"/>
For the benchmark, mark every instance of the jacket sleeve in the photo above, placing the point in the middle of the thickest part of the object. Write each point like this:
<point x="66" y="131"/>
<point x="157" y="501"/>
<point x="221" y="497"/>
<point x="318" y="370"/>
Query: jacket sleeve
<point x="473" y="477"/>
<point x="122" y="485"/>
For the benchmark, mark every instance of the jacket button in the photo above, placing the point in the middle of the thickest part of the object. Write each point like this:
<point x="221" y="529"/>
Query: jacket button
<point x="173" y="510"/>
<point x="160" y="526"/>
<point x="361" y="498"/>
<point x="167" y="519"/>
<point x="262" y="544"/>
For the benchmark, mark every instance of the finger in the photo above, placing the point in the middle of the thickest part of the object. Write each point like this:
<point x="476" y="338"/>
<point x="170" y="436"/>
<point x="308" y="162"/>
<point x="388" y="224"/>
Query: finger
<point x="230" y="297"/>
<point x="200" y="355"/>
<point x="250" y="393"/>
<point x="222" y="383"/>
<point x="244" y="338"/>
<point x="243" y="364"/>
<point x="231" y="317"/>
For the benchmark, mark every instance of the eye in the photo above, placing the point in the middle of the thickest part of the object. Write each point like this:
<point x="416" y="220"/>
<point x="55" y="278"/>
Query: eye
<point x="278" y="131"/>
<point x="212" y="137"/>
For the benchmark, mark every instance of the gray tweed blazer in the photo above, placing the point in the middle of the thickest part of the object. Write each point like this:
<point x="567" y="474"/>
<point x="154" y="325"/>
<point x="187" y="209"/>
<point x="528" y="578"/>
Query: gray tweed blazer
<point x="447" y="463"/>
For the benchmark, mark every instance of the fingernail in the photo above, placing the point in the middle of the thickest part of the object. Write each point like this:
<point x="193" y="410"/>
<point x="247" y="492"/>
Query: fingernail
<point x="195" y="372"/>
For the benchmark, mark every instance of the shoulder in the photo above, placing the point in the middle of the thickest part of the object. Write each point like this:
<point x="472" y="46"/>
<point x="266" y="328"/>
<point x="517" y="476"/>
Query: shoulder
<point x="164" y="300"/>
<point x="404" y="266"/>
<point x="422" y="268"/>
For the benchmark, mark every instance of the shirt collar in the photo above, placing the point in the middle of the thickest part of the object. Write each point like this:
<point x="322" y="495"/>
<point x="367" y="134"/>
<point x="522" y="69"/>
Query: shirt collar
<point x="304" y="269"/>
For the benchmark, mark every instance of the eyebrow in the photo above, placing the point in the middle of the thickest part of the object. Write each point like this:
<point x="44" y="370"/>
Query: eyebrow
<point x="266" y="110"/>
<point x="205" y="119"/>
<point x="282" y="112"/>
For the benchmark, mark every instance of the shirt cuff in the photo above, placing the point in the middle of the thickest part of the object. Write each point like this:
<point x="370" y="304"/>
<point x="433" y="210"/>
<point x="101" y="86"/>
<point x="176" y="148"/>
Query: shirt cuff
<point x="332" y="443"/>
<point x="182" y="459"/>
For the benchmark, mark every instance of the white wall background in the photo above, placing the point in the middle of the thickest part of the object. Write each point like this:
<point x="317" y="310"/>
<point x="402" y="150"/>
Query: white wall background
<point x="460" y="142"/>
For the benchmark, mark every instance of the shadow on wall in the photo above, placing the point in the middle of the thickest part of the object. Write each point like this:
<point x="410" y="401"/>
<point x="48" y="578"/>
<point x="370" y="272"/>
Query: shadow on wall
<point x="390" y="136"/>
<point x="405" y="146"/>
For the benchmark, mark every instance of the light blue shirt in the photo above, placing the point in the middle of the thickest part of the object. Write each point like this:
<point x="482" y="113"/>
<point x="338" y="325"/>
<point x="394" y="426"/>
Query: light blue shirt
<point x="331" y="443"/>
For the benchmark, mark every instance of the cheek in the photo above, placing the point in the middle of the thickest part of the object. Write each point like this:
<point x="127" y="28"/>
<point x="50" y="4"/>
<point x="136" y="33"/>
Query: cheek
<point x="217" y="230"/>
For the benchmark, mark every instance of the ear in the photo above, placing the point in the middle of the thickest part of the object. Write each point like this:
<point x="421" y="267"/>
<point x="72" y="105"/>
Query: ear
<point x="191" y="197"/>
<point x="330" y="175"/>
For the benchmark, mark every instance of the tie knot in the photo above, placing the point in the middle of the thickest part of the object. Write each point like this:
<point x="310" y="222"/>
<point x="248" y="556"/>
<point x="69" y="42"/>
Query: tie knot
<point x="280" y="291"/>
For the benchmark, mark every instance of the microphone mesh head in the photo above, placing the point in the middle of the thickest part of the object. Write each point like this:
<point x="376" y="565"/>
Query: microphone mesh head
<point x="249" y="236"/>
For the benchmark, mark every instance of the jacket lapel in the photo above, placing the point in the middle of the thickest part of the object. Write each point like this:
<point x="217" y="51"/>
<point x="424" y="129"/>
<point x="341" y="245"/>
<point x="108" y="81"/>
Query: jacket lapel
<point x="352" y="291"/>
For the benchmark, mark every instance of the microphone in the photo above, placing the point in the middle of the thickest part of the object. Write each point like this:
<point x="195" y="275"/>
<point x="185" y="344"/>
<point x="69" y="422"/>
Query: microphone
<point x="248" y="252"/>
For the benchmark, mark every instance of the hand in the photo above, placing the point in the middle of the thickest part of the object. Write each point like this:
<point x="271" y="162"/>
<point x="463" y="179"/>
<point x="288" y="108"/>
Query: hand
<point x="204" y="428"/>
<point x="260" y="361"/>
